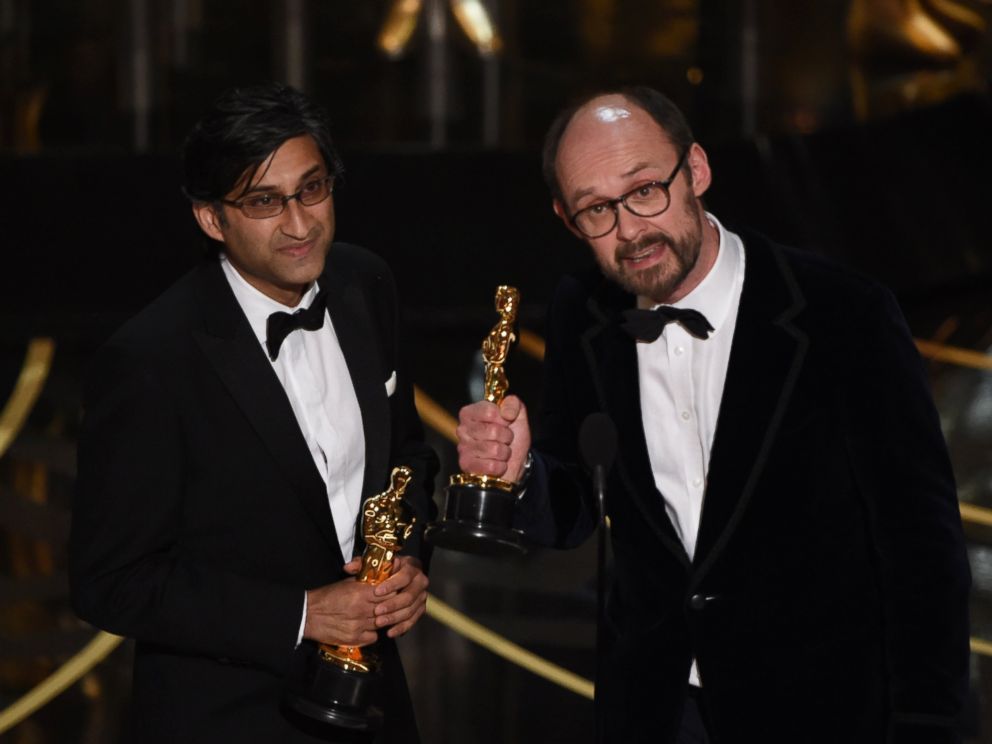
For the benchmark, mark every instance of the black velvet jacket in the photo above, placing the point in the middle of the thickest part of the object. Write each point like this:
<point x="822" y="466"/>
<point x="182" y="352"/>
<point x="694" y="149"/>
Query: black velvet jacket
<point x="200" y="518"/>
<point x="827" y="599"/>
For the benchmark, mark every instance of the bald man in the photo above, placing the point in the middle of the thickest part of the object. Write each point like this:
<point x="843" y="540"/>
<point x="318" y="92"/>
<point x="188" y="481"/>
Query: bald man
<point x="789" y="564"/>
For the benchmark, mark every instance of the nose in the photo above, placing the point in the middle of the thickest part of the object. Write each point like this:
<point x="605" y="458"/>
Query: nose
<point x="629" y="225"/>
<point x="296" y="221"/>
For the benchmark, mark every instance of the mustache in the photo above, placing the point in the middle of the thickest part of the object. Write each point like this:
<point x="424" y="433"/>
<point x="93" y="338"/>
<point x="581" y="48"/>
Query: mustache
<point x="627" y="250"/>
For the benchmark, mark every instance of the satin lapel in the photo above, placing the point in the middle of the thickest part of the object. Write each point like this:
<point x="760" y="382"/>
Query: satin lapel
<point x="766" y="357"/>
<point x="612" y="358"/>
<point x="348" y="307"/>
<point x="234" y="352"/>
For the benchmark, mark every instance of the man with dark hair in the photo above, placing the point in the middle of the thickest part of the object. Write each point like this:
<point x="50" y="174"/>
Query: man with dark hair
<point x="789" y="558"/>
<point x="231" y="431"/>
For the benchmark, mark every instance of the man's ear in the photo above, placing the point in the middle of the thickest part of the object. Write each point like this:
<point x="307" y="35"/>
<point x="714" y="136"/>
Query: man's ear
<point x="559" y="210"/>
<point x="699" y="165"/>
<point x="209" y="220"/>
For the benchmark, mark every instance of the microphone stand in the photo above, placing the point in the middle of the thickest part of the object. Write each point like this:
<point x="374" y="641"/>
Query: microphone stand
<point x="599" y="488"/>
<point x="598" y="445"/>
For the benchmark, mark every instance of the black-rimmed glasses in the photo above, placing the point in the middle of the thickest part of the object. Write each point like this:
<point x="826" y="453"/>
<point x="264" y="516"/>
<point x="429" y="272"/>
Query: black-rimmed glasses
<point x="267" y="204"/>
<point x="647" y="200"/>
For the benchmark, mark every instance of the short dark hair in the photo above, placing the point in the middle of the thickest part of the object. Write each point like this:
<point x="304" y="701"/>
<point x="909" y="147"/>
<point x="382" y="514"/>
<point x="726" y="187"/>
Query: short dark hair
<point x="241" y="129"/>
<point x="658" y="106"/>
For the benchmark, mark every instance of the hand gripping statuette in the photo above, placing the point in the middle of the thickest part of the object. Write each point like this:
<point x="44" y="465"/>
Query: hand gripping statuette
<point x="478" y="509"/>
<point x="340" y="682"/>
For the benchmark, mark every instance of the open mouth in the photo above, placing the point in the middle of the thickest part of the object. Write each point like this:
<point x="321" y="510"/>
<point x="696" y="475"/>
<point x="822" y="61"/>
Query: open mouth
<point x="643" y="255"/>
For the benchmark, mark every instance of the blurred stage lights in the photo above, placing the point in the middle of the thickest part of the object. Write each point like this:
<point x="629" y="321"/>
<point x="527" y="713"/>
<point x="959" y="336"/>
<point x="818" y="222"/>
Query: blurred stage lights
<point x="471" y="15"/>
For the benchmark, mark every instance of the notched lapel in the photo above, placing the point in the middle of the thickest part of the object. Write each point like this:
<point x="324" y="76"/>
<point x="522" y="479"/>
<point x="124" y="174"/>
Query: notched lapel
<point x="349" y="311"/>
<point x="232" y="349"/>
<point x="766" y="358"/>
<point x="612" y="359"/>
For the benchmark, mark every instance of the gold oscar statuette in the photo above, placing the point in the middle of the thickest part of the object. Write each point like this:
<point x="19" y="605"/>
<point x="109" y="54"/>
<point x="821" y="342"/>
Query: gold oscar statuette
<point x="339" y="680"/>
<point x="478" y="511"/>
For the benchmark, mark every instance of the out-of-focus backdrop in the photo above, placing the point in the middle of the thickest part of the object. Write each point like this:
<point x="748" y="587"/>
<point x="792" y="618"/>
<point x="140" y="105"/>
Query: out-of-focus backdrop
<point x="853" y="128"/>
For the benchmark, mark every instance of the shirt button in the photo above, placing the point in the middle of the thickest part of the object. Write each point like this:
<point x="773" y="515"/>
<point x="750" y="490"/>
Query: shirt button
<point x="679" y="350"/>
<point x="697" y="482"/>
<point x="685" y="415"/>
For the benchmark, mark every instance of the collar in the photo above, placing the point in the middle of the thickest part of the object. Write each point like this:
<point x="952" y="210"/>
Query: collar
<point x="256" y="305"/>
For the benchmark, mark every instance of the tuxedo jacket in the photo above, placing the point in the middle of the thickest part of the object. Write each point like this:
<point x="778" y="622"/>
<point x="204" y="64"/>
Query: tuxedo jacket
<point x="827" y="597"/>
<point x="200" y="518"/>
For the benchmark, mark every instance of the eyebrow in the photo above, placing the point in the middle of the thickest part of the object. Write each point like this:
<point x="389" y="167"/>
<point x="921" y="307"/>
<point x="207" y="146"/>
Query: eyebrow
<point x="633" y="171"/>
<point x="264" y="187"/>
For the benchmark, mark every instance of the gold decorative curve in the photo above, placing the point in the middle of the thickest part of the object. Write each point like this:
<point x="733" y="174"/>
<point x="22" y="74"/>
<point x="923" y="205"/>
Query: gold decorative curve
<point x="34" y="372"/>
<point x="954" y="355"/>
<point x="532" y="344"/>
<point x="465" y="626"/>
<point x="435" y="416"/>
<point x="60" y="680"/>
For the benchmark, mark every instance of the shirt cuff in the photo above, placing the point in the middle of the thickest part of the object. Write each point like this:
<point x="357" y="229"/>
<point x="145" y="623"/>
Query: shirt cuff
<point x="303" y="622"/>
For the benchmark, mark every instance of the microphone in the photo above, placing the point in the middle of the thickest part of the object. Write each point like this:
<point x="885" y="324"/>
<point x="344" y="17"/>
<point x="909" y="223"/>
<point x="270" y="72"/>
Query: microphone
<point x="598" y="446"/>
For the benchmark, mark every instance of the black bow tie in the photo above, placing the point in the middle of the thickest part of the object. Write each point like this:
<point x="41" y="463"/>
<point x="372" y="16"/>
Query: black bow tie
<point x="280" y="324"/>
<point x="647" y="325"/>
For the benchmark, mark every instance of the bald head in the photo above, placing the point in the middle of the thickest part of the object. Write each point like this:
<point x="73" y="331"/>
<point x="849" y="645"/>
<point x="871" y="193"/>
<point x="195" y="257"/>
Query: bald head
<point x="615" y="107"/>
<point x="606" y="133"/>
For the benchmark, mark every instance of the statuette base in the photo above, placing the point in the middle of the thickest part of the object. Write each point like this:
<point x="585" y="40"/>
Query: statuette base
<point x="335" y="695"/>
<point x="478" y="519"/>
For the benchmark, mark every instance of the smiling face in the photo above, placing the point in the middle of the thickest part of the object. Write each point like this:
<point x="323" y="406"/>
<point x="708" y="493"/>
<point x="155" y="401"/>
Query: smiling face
<point x="611" y="147"/>
<point x="280" y="256"/>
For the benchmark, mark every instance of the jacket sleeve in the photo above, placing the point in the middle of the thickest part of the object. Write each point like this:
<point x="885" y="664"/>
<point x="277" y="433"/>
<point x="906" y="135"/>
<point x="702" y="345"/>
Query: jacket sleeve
<point x="128" y="571"/>
<point x="903" y="469"/>
<point x="557" y="508"/>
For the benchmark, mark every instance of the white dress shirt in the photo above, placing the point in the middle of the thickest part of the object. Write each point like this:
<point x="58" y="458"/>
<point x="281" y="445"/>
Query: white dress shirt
<point x="681" y="381"/>
<point x="314" y="374"/>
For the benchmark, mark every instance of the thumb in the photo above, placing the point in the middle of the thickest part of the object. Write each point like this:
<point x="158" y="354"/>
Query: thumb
<point x="510" y="408"/>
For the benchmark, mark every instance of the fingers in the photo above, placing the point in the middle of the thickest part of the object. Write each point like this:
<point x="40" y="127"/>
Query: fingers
<point x="484" y="412"/>
<point x="485" y="437"/>
<point x="399" y="589"/>
<point x="350" y="613"/>
<point x="410" y="609"/>
<point x="405" y="597"/>
<point x="405" y="569"/>
<point x="403" y="626"/>
<point x="353" y="566"/>
<point x="360" y="638"/>
<point x="477" y="431"/>
<point x="493" y="440"/>
<point x="341" y="613"/>
<point x="481" y="412"/>
<point x="482" y="423"/>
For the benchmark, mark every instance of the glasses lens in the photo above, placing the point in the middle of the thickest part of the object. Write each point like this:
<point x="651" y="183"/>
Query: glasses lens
<point x="314" y="192"/>
<point x="260" y="206"/>
<point x="647" y="200"/>
<point x="595" y="221"/>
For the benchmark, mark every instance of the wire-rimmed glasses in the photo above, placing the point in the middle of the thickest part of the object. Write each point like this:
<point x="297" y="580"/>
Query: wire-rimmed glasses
<point x="268" y="204"/>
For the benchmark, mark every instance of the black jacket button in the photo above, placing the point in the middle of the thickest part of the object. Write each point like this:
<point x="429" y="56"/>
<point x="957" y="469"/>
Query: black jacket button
<point x="697" y="601"/>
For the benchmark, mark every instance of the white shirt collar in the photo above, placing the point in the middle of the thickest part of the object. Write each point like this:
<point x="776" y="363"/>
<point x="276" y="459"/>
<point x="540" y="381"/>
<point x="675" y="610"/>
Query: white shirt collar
<point x="256" y="305"/>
